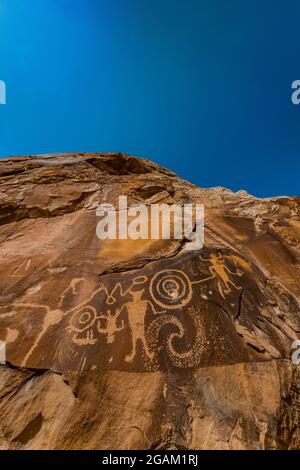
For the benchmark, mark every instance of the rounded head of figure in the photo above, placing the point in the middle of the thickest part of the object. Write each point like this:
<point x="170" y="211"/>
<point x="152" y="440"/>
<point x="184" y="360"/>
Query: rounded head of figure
<point x="216" y="258"/>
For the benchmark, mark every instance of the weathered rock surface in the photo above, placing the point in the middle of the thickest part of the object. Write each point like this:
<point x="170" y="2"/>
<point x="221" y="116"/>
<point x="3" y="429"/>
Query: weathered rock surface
<point x="134" y="344"/>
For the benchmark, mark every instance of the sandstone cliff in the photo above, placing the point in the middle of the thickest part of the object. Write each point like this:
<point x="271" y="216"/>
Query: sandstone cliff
<point x="101" y="354"/>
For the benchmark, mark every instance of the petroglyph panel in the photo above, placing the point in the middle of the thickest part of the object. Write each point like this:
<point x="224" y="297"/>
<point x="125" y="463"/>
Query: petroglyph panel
<point x="171" y="314"/>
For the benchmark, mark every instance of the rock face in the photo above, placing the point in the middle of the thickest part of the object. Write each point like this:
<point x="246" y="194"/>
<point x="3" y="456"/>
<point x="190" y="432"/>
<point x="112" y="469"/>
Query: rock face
<point x="143" y="344"/>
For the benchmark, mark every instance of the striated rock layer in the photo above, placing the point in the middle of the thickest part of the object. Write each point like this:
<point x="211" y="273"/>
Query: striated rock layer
<point x="142" y="344"/>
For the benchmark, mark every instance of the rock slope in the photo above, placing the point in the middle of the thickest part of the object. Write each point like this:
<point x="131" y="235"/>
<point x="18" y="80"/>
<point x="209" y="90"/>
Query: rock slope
<point x="142" y="344"/>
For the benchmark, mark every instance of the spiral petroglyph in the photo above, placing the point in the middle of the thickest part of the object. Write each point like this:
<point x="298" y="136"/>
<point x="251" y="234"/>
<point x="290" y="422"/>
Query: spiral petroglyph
<point x="171" y="289"/>
<point x="82" y="321"/>
<point x="142" y="344"/>
<point x="147" y="321"/>
<point x="168" y="290"/>
<point x="185" y="357"/>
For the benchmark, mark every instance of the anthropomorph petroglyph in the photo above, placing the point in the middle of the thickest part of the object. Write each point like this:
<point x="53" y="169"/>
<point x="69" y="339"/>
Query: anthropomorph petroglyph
<point x="83" y="321"/>
<point x="170" y="289"/>
<point x="111" y="327"/>
<point x="136" y="310"/>
<point x="220" y="272"/>
<point x="139" y="308"/>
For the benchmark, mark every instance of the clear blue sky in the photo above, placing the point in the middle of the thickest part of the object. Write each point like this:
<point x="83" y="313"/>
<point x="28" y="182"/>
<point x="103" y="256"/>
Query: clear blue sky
<point x="200" y="86"/>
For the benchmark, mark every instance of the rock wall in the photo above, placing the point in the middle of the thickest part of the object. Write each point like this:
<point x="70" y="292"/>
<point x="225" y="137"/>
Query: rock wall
<point x="143" y="344"/>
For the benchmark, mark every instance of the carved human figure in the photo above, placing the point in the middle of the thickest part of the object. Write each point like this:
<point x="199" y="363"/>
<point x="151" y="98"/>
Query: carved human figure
<point x="220" y="271"/>
<point x="136" y="311"/>
<point x="111" y="327"/>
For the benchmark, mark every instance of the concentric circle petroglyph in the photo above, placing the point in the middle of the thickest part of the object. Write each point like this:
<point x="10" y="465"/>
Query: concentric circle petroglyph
<point x="171" y="289"/>
<point x="83" y="319"/>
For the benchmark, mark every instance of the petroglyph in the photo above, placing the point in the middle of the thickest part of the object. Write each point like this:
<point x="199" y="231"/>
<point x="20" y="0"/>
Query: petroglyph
<point x="111" y="299"/>
<point x="51" y="318"/>
<point x="21" y="269"/>
<point x="136" y="310"/>
<point x="152" y="315"/>
<point x="165" y="283"/>
<point x="82" y="321"/>
<point x="171" y="289"/>
<point x="186" y="358"/>
<point x="111" y="325"/>
<point x="219" y="271"/>
<point x="71" y="287"/>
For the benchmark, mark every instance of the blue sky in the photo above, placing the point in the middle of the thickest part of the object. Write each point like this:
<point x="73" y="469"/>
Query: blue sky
<point x="200" y="86"/>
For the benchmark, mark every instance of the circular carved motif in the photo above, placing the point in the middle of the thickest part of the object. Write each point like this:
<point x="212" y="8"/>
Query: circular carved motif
<point x="83" y="319"/>
<point x="171" y="289"/>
